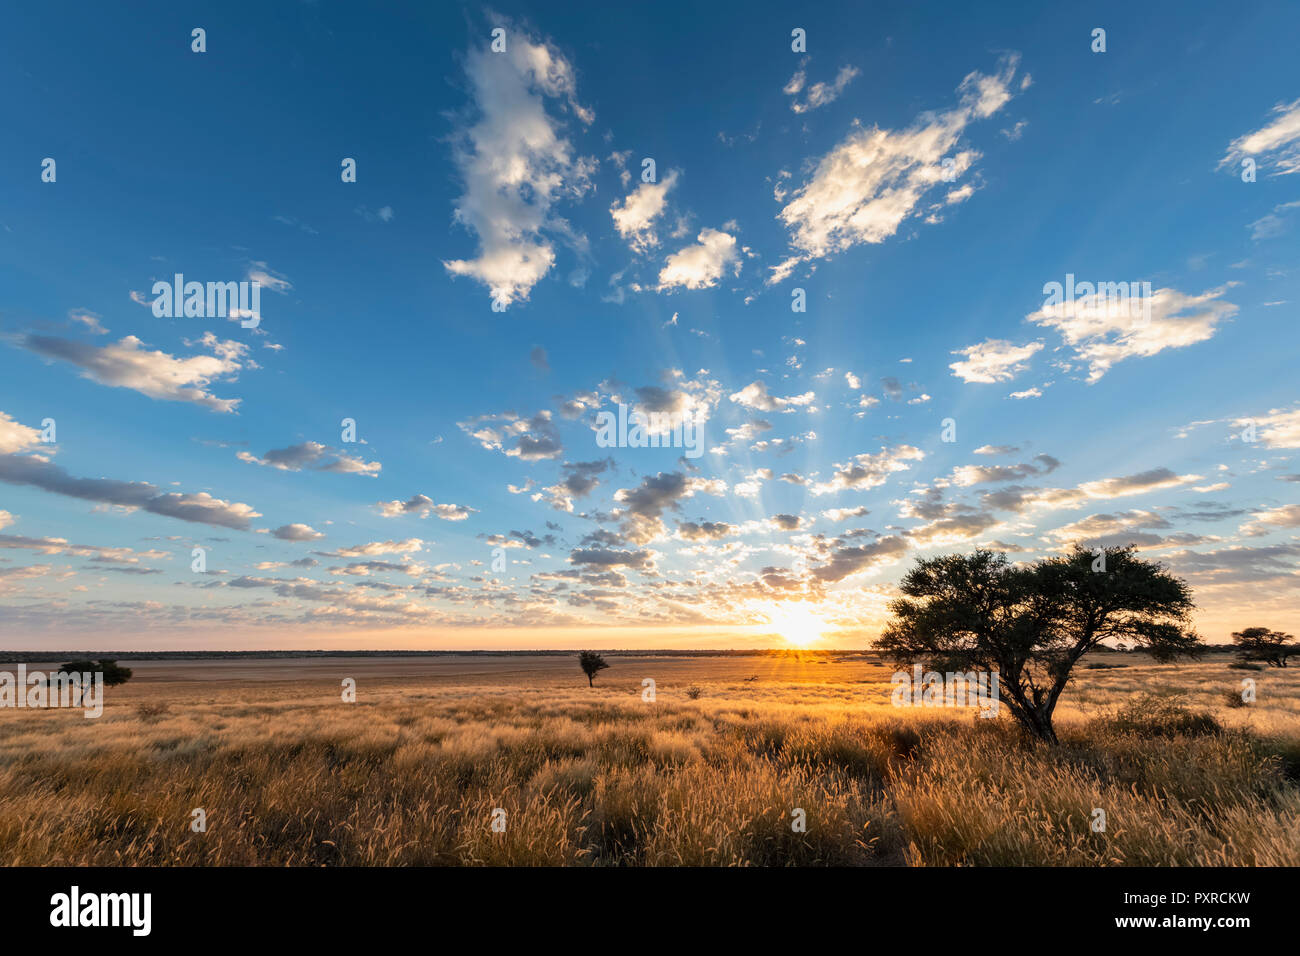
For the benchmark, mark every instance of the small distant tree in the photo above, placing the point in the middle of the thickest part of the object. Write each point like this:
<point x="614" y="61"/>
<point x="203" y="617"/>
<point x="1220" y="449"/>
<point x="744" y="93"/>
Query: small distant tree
<point x="114" y="674"/>
<point x="591" y="664"/>
<point x="1262" y="644"/>
<point x="1033" y="622"/>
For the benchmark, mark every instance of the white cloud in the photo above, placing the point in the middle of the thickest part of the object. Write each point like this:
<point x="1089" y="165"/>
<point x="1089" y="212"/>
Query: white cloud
<point x="863" y="189"/>
<point x="869" y="471"/>
<point x="89" y="319"/>
<point x="268" y="278"/>
<point x="424" y="506"/>
<point x="635" y="216"/>
<point x="1280" y="428"/>
<point x="315" y="456"/>
<point x="380" y="547"/>
<point x="296" y="532"/>
<point x="700" y="266"/>
<point x="1278" y="140"/>
<point x="16" y="437"/>
<point x="819" y="94"/>
<point x="1287" y="516"/>
<point x="1104" y="329"/>
<point x="156" y="374"/>
<point x="755" y="395"/>
<point x="993" y="360"/>
<point x="515" y="164"/>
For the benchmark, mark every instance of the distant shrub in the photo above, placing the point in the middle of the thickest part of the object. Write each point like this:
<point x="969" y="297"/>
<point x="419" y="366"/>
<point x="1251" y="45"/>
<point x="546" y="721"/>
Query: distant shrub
<point x="1232" y="698"/>
<point x="1243" y="666"/>
<point x="694" y="692"/>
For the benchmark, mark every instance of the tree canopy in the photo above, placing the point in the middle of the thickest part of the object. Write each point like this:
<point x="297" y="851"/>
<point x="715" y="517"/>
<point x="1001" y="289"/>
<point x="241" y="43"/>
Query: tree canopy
<point x="1033" y="622"/>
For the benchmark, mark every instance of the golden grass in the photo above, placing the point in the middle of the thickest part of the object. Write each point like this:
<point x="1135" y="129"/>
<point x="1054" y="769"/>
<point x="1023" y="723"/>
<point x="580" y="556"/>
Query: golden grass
<point x="288" y="774"/>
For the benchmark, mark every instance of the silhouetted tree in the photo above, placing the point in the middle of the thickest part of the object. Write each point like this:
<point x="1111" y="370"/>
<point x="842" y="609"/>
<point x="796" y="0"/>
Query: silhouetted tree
<point x="591" y="664"/>
<point x="1033" y="622"/>
<point x="113" y="673"/>
<point x="1261" y="644"/>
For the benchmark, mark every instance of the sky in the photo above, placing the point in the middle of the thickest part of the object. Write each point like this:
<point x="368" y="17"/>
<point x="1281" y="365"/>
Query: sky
<point x="814" y="248"/>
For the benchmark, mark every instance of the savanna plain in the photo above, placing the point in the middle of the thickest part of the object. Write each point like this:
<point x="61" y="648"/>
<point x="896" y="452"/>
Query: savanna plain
<point x="711" y="772"/>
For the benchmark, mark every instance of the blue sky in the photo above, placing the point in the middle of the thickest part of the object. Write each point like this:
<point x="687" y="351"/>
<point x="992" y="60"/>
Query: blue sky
<point x="1167" y="417"/>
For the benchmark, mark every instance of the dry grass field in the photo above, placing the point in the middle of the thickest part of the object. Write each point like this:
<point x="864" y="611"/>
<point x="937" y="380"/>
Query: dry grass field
<point x="410" y="774"/>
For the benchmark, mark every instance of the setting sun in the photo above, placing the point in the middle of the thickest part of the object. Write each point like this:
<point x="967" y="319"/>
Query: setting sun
<point x="797" y="622"/>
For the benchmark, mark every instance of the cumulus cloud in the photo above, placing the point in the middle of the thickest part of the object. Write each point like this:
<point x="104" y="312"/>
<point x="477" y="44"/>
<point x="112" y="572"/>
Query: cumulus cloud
<point x="516" y="164"/>
<point x="951" y="530"/>
<point x="296" y="532"/>
<point x="785" y="522"/>
<point x="843" y="514"/>
<point x="579" y="480"/>
<point x="755" y="395"/>
<point x="844" y="562"/>
<point x="704" y="530"/>
<point x="866" y="187"/>
<point x="372" y="548"/>
<point x="424" y="506"/>
<point x="315" y="456"/>
<point x="125" y="364"/>
<point x="643" y="506"/>
<point x="635" y="216"/>
<point x="967" y="475"/>
<point x="1280" y="428"/>
<point x="15" y="436"/>
<point x="612" y="558"/>
<point x="702" y="265"/>
<point x="1105" y="327"/>
<point x="993" y="360"/>
<point x="529" y="439"/>
<point x="1287" y="516"/>
<point x="869" y="471"/>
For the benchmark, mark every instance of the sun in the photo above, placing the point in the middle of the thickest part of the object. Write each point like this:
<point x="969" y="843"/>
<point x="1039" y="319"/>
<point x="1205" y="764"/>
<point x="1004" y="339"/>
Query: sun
<point x="797" y="622"/>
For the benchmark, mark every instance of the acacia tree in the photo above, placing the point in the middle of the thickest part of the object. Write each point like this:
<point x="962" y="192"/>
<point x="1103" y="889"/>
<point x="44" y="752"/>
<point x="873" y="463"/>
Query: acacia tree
<point x="1261" y="644"/>
<point x="1033" y="622"/>
<point x="112" y="672"/>
<point x="591" y="664"/>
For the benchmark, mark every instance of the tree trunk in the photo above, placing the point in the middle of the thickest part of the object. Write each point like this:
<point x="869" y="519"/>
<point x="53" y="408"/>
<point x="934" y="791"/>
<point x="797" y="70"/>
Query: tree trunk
<point x="1034" y="719"/>
<point x="590" y="682"/>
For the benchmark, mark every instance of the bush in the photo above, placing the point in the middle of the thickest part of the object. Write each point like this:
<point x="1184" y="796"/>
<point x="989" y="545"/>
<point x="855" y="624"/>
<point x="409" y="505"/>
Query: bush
<point x="694" y="692"/>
